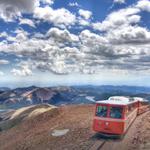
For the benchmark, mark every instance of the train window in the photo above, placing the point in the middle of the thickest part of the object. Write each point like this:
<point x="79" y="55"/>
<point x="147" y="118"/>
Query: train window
<point x="144" y="103"/>
<point x="116" y="112"/>
<point x="131" y="107"/>
<point x="101" y="111"/>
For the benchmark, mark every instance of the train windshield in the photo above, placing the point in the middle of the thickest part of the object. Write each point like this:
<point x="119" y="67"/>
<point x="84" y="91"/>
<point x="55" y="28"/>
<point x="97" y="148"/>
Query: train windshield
<point x="101" y="111"/>
<point x="116" y="112"/>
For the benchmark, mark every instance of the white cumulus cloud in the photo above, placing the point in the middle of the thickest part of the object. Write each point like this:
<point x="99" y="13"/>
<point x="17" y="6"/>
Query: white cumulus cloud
<point x="118" y="19"/>
<point x="10" y="9"/>
<point x="59" y="17"/>
<point x="27" y="22"/>
<point x="123" y="45"/>
<point x="85" y="13"/>
<point x="49" y="2"/>
<point x="119" y="1"/>
<point x="73" y="4"/>
<point x="24" y="71"/>
<point x="144" y="5"/>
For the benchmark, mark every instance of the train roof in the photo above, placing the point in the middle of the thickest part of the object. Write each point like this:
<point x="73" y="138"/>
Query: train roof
<point x="140" y="99"/>
<point x="119" y="100"/>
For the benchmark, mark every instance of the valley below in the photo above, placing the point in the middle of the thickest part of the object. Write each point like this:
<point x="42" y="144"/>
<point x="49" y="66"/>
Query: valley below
<point x="65" y="95"/>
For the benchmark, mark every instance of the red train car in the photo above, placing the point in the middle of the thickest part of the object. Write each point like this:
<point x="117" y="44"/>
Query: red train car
<point x="115" y="115"/>
<point x="143" y="105"/>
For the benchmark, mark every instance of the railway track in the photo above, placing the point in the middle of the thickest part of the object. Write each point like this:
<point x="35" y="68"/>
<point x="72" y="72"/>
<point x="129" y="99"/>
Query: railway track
<point x="98" y="145"/>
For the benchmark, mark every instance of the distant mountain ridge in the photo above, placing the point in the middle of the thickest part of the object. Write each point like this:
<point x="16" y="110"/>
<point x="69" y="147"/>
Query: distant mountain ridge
<point x="63" y="95"/>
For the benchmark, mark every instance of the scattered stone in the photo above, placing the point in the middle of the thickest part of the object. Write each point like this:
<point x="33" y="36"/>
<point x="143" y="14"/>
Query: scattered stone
<point x="60" y="132"/>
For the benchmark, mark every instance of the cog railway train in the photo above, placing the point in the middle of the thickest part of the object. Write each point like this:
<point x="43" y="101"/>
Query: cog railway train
<point x="115" y="115"/>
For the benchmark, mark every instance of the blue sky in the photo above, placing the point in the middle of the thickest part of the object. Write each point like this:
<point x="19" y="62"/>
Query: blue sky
<point x="67" y="42"/>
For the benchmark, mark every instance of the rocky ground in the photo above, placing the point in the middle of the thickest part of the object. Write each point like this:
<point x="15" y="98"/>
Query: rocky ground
<point x="141" y="140"/>
<point x="70" y="128"/>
